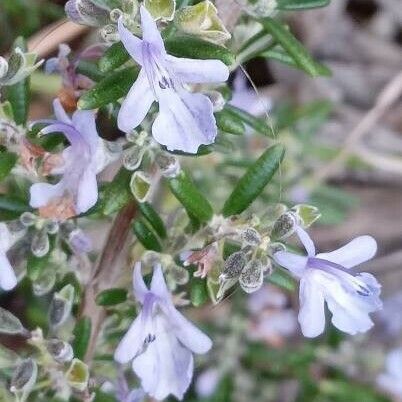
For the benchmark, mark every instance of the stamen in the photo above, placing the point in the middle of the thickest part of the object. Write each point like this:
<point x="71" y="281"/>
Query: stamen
<point x="347" y="279"/>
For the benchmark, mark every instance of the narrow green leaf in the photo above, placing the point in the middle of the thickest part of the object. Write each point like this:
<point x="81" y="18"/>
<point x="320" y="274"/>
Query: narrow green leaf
<point x="114" y="57"/>
<point x="293" y="47"/>
<point x="189" y="196"/>
<point x="115" y="195"/>
<point x="290" y="5"/>
<point x="110" y="89"/>
<point x="253" y="182"/>
<point x="19" y="94"/>
<point x="101" y="396"/>
<point x="111" y="297"/>
<point x="82" y="335"/>
<point x="146" y="236"/>
<point x="153" y="218"/>
<point x="229" y="122"/>
<point x="198" y="291"/>
<point x="195" y="48"/>
<point x="12" y="207"/>
<point x="7" y="162"/>
<point x="249" y="120"/>
<point x="90" y="70"/>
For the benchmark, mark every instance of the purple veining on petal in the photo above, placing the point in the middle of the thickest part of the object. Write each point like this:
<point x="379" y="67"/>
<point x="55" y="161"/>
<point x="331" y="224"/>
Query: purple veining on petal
<point x="160" y="341"/>
<point x="79" y="170"/>
<point x="349" y="281"/>
<point x="185" y="120"/>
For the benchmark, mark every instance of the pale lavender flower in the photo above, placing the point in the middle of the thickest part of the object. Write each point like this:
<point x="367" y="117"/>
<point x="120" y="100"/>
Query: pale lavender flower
<point x="160" y="341"/>
<point x="87" y="12"/>
<point x="185" y="120"/>
<point x="78" y="188"/>
<point x="326" y="278"/>
<point x="8" y="280"/>
<point x="66" y="66"/>
<point x="391" y="379"/>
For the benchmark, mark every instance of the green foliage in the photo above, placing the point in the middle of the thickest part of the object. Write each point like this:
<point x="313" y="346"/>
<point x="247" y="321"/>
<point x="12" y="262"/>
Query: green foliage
<point x="110" y="89"/>
<point x="146" y="236"/>
<point x="296" y="5"/>
<point x="111" y="297"/>
<point x="7" y="162"/>
<point x="195" y="48"/>
<point x="254" y="180"/>
<point x="249" y="120"/>
<point x="293" y="47"/>
<point x="82" y="335"/>
<point x="153" y="218"/>
<point x="196" y="205"/>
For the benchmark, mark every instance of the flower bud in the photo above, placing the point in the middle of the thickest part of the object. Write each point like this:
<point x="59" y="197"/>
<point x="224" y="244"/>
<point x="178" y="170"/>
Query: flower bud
<point x="217" y="100"/>
<point x="40" y="245"/>
<point x="61" y="305"/>
<point x="284" y="226"/>
<point x="140" y="185"/>
<point x="202" y="20"/>
<point x="234" y="264"/>
<point x="178" y="274"/>
<point x="161" y="9"/>
<point x="28" y="219"/>
<point x="251" y="277"/>
<point x="15" y="226"/>
<point x="307" y="214"/>
<point x="251" y="237"/>
<point x="61" y="351"/>
<point x="115" y="14"/>
<point x="169" y="165"/>
<point x="109" y="33"/>
<point x="24" y="379"/>
<point x="78" y="375"/>
<point x="132" y="157"/>
<point x="10" y="324"/>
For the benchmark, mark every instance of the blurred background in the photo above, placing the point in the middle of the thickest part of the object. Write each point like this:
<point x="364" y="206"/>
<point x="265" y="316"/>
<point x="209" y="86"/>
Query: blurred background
<point x="344" y="155"/>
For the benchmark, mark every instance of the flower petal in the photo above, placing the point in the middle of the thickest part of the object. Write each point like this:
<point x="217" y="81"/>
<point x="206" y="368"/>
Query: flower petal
<point x="8" y="280"/>
<point x="350" y="311"/>
<point x="311" y="315"/>
<point x="132" y="342"/>
<point x="136" y="105"/>
<point x="139" y="287"/>
<point x="84" y="123"/>
<point x="132" y="44"/>
<point x="60" y="113"/>
<point x="194" y="71"/>
<point x="296" y="264"/>
<point x="42" y="193"/>
<point x="166" y="366"/>
<point x="185" y="121"/>
<point x="5" y="238"/>
<point x="87" y="192"/>
<point x="150" y="32"/>
<point x="188" y="334"/>
<point x="357" y="251"/>
<point x="158" y="284"/>
<point x="306" y="241"/>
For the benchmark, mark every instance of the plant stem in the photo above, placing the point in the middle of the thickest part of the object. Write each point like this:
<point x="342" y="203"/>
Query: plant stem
<point x="106" y="273"/>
